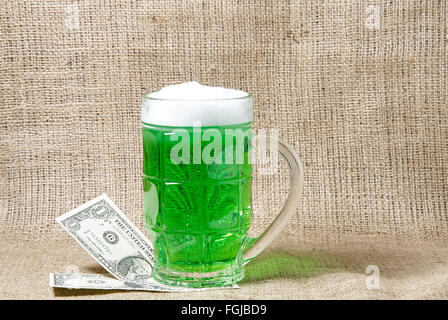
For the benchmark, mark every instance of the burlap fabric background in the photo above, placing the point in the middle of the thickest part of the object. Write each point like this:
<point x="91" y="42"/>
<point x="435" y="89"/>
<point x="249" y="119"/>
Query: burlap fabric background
<point x="358" y="87"/>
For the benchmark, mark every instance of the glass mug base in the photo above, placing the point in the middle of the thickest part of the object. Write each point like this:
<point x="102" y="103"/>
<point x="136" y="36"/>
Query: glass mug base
<point x="222" y="278"/>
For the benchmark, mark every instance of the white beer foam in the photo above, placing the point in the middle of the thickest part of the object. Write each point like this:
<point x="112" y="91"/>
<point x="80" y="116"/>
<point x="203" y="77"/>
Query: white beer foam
<point x="191" y="103"/>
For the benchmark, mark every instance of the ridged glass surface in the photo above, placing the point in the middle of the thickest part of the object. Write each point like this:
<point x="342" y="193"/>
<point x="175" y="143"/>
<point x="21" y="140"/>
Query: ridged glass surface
<point x="197" y="215"/>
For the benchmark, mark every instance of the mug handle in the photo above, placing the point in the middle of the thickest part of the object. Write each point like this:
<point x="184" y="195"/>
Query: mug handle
<point x="296" y="172"/>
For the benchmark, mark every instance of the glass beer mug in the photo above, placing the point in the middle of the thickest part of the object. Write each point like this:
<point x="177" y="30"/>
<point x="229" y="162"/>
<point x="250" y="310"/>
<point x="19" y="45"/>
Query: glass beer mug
<point x="197" y="180"/>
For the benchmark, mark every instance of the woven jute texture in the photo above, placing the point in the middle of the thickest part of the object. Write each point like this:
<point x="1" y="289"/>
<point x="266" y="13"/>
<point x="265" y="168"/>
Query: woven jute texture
<point x="359" y="88"/>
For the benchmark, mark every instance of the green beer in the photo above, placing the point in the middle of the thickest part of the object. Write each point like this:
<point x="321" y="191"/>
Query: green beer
<point x="197" y="199"/>
<point x="197" y="214"/>
<point x="197" y="177"/>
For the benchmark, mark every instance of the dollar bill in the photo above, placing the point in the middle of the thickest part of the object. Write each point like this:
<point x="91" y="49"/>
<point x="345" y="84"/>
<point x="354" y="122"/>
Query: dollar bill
<point x="98" y="281"/>
<point x="111" y="238"/>
<point x="117" y="244"/>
